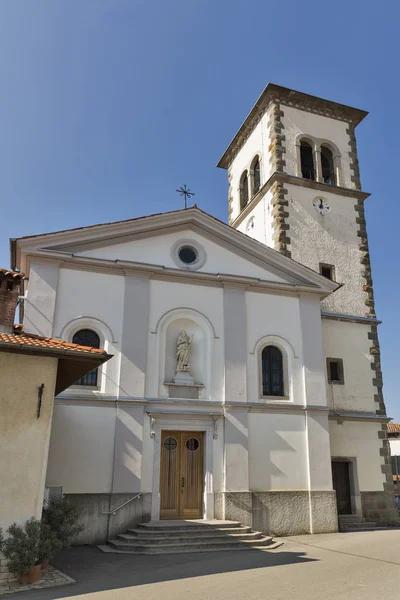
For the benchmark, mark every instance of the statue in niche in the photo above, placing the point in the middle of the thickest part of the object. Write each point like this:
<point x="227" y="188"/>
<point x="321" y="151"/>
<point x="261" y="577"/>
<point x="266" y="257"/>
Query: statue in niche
<point x="183" y="349"/>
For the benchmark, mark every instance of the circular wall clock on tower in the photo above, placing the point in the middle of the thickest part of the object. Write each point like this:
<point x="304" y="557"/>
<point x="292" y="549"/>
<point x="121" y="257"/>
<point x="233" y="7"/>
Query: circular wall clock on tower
<point x="321" y="206"/>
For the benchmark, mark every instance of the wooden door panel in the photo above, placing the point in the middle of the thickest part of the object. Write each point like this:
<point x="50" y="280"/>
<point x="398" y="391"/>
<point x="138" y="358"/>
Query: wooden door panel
<point x="169" y="474"/>
<point x="181" y="474"/>
<point x="341" y="484"/>
<point x="192" y="473"/>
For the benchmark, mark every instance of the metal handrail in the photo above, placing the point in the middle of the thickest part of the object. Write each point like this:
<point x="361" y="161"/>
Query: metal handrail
<point x="122" y="505"/>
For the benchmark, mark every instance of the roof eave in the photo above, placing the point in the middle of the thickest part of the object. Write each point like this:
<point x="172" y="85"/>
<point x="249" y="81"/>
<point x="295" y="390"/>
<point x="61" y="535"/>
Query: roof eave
<point x="287" y="96"/>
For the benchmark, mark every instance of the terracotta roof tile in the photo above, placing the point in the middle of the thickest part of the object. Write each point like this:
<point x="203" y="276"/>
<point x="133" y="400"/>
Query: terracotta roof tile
<point x="11" y="274"/>
<point x="393" y="427"/>
<point x="29" y="340"/>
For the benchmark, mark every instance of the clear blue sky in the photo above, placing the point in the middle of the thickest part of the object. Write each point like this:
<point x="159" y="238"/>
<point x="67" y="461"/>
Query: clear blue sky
<point x="107" y="106"/>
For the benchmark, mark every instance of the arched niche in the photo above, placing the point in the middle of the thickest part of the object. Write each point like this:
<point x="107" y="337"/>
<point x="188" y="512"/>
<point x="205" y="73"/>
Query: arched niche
<point x="168" y="330"/>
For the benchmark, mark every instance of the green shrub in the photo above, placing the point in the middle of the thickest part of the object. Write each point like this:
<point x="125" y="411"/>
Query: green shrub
<point x="63" y="520"/>
<point x="21" y="548"/>
<point x="49" y="543"/>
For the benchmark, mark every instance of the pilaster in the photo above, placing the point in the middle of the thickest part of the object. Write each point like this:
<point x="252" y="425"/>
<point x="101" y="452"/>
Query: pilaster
<point x="135" y="333"/>
<point x="40" y="304"/>
<point x="235" y="336"/>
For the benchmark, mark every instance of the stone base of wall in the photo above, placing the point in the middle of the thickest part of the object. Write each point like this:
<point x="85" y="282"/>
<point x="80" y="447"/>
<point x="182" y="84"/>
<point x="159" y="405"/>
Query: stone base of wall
<point x="98" y="526"/>
<point x="380" y="507"/>
<point x="280" y="513"/>
<point x="5" y="575"/>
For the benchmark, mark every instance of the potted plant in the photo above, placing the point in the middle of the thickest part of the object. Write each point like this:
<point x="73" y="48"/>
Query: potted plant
<point x="48" y="544"/>
<point x="63" y="519"/>
<point x="21" y="550"/>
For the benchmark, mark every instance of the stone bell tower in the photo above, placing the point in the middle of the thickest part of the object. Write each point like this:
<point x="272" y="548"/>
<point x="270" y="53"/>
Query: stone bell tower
<point x="294" y="185"/>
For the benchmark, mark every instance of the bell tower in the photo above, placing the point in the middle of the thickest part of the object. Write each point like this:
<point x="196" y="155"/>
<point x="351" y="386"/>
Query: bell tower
<point x="294" y="185"/>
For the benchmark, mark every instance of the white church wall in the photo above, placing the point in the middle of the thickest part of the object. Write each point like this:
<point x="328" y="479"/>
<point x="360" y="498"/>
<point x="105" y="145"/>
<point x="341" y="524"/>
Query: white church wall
<point x="258" y="223"/>
<point x="274" y="318"/>
<point x="277" y="452"/>
<point x="158" y="250"/>
<point x="354" y="439"/>
<point x="349" y="341"/>
<point x="330" y="239"/>
<point x="173" y="305"/>
<point x="298" y="122"/>
<point x="256" y="144"/>
<point x="97" y="303"/>
<point x="41" y="295"/>
<point x="81" y="448"/>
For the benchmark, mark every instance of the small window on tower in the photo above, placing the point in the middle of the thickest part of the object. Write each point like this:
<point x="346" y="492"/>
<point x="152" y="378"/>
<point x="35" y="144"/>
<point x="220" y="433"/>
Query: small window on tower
<point x="335" y="370"/>
<point x="327" y="271"/>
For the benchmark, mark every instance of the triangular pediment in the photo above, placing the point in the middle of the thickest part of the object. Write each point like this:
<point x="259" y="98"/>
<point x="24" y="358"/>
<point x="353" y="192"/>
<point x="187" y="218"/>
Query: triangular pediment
<point x="153" y="242"/>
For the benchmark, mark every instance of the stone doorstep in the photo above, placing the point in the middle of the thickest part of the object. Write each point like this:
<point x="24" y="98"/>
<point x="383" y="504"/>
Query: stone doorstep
<point x="178" y="537"/>
<point x="273" y="546"/>
<point x="141" y="534"/>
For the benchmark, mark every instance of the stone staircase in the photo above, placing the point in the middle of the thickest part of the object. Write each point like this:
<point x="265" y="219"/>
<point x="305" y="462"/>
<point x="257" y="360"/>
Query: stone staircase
<point x="355" y="523"/>
<point x="176" y="537"/>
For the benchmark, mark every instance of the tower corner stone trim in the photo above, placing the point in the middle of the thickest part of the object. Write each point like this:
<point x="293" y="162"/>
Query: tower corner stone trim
<point x="280" y="214"/>
<point x="365" y="260"/>
<point x="354" y="166"/>
<point x="276" y="137"/>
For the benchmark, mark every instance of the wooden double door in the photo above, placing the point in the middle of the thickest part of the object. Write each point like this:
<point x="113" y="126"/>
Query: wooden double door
<point x="181" y="474"/>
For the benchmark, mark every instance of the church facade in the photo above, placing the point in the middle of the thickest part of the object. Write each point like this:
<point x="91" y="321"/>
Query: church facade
<point x="245" y="381"/>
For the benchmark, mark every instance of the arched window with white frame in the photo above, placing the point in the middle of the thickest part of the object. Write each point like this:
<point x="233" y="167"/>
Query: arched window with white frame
<point x="87" y="337"/>
<point x="272" y="371"/>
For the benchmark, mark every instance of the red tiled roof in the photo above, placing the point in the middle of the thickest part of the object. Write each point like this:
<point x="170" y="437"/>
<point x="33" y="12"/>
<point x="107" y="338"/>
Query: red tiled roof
<point x="11" y="274"/>
<point x="393" y="427"/>
<point x="29" y="340"/>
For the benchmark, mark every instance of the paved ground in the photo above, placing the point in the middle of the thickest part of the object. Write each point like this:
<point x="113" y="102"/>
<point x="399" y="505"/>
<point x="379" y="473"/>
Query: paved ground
<point x="349" y="566"/>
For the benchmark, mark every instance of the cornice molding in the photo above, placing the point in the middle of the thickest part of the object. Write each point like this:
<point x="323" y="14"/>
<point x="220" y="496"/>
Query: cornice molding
<point x="287" y="97"/>
<point x="53" y="246"/>
<point x="299" y="181"/>
<point x="347" y="415"/>
<point x="350" y="318"/>
<point x="161" y="273"/>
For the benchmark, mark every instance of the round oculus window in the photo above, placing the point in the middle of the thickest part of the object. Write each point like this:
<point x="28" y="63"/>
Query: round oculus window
<point x="170" y="444"/>
<point x="187" y="255"/>
<point x="192" y="444"/>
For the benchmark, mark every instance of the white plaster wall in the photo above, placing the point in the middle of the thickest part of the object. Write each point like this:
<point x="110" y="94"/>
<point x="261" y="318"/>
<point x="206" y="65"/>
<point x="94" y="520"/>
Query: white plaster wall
<point x="349" y="341"/>
<point x="277" y="316"/>
<point x="394" y="447"/>
<point x="328" y="239"/>
<point x="258" y="223"/>
<point x="257" y="143"/>
<point x="94" y="300"/>
<point x="158" y="251"/>
<point x="41" y="297"/>
<point x="81" y="448"/>
<point x="298" y="122"/>
<point x="197" y="302"/>
<point x="277" y="452"/>
<point x="360" y="440"/>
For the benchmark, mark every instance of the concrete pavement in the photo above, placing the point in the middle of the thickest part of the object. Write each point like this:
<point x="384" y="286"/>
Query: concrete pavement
<point x="349" y="566"/>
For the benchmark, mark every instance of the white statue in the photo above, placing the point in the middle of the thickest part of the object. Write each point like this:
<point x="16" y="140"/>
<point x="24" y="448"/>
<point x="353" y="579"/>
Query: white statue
<point x="183" y="348"/>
